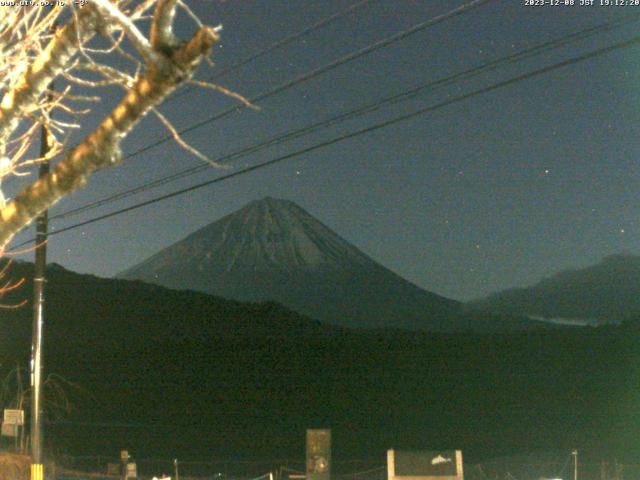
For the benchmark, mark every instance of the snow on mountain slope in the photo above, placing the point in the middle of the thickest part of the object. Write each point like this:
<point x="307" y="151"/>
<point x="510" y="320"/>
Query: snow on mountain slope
<point x="273" y="249"/>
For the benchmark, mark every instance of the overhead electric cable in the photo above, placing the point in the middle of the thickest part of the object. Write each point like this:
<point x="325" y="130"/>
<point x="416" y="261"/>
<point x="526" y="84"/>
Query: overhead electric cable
<point x="291" y="38"/>
<point x="296" y="133"/>
<point x="280" y="43"/>
<point x="635" y="41"/>
<point x="324" y="69"/>
<point x="569" y="457"/>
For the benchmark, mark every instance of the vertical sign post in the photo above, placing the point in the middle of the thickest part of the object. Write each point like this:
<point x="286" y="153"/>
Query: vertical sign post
<point x="318" y="454"/>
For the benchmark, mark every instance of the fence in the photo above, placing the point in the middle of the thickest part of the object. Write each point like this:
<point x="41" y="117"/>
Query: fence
<point x="533" y="467"/>
<point x="70" y="468"/>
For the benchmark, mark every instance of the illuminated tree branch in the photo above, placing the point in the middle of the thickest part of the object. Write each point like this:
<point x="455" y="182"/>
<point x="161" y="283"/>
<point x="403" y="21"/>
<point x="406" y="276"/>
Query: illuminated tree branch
<point x="24" y="96"/>
<point x="167" y="63"/>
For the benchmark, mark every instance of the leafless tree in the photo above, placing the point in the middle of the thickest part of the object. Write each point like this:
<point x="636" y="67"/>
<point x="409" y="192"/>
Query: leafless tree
<point x="74" y="44"/>
<point x="60" y="399"/>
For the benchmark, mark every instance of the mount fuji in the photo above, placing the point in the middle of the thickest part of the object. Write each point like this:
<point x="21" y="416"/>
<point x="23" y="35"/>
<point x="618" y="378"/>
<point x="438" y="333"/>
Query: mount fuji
<point x="272" y="249"/>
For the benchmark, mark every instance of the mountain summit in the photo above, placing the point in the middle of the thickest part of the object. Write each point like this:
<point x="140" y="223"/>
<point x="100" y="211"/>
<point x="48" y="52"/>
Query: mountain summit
<point x="272" y="249"/>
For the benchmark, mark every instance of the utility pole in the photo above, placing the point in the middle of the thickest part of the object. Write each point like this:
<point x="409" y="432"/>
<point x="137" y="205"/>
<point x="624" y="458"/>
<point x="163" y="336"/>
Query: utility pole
<point x="575" y="464"/>
<point x="175" y="466"/>
<point x="37" y="467"/>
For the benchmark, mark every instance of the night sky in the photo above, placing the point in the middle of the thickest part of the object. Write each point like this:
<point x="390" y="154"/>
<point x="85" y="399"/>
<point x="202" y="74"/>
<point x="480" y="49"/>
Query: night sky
<point x="496" y="191"/>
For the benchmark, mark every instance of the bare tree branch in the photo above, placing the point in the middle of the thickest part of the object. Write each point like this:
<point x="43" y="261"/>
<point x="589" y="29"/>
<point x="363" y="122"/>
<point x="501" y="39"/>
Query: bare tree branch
<point x="162" y="36"/>
<point x="35" y="79"/>
<point x="101" y="148"/>
<point x="137" y="39"/>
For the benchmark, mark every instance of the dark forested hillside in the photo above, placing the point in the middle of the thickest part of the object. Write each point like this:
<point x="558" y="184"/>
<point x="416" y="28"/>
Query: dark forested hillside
<point x="221" y="378"/>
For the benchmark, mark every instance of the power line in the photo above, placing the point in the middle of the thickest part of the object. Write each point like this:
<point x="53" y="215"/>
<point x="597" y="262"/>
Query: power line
<point x="291" y="38"/>
<point x="292" y="134"/>
<point x="279" y="44"/>
<point x="352" y="56"/>
<point x="621" y="45"/>
<point x="324" y="69"/>
<point x="559" y="475"/>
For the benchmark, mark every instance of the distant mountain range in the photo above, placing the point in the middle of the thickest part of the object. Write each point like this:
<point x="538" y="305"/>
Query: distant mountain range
<point x="606" y="292"/>
<point x="273" y="249"/>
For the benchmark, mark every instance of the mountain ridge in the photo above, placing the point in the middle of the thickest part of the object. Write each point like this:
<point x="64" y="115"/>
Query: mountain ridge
<point x="272" y="249"/>
<point x="608" y="291"/>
